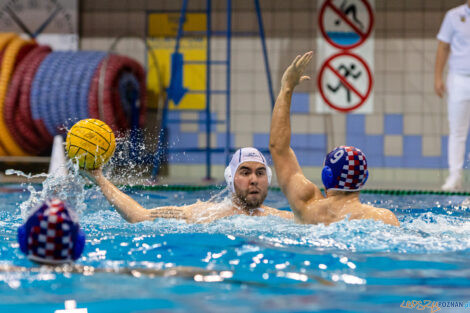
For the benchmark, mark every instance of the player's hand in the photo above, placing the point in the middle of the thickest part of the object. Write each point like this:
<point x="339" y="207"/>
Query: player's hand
<point x="92" y="175"/>
<point x="294" y="73"/>
<point x="439" y="87"/>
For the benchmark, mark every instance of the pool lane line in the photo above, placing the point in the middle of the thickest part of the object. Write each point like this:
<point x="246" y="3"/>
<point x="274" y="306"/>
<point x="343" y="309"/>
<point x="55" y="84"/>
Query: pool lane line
<point x="393" y="192"/>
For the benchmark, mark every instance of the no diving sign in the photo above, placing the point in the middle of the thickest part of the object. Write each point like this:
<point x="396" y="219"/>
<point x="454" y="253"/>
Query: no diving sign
<point x="345" y="82"/>
<point x="346" y="24"/>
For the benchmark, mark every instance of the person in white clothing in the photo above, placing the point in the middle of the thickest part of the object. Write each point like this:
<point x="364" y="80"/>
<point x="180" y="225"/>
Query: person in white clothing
<point x="454" y="47"/>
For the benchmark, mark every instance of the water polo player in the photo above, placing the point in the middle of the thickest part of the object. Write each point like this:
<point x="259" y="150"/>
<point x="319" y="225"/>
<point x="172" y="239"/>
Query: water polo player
<point x="344" y="173"/>
<point x="51" y="235"/>
<point x="248" y="177"/>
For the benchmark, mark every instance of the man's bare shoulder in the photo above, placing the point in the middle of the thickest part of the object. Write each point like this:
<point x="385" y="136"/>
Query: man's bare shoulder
<point x="381" y="214"/>
<point x="281" y="213"/>
<point x="199" y="205"/>
<point x="330" y="210"/>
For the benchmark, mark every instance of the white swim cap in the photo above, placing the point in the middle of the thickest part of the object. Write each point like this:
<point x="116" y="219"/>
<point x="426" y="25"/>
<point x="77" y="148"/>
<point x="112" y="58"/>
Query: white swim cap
<point x="243" y="155"/>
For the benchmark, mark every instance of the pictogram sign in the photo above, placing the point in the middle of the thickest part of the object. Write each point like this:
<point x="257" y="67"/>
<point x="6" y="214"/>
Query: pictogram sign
<point x="346" y="24"/>
<point x="344" y="81"/>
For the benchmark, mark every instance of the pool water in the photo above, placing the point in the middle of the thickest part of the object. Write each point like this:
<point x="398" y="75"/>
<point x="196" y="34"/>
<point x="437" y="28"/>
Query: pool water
<point x="269" y="264"/>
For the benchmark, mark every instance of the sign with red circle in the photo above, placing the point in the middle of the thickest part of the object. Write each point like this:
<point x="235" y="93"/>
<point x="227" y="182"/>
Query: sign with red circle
<point x="346" y="24"/>
<point x="345" y="81"/>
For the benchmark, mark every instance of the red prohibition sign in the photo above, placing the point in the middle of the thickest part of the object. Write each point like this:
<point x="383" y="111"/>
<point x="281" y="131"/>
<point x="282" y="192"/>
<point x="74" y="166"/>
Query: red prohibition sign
<point x="362" y="96"/>
<point x="362" y="35"/>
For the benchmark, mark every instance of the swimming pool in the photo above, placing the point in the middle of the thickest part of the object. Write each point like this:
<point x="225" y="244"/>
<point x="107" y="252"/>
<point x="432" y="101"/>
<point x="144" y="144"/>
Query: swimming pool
<point x="265" y="264"/>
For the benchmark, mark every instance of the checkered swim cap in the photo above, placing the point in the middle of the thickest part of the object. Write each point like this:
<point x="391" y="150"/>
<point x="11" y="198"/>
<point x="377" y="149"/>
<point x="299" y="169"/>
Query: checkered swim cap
<point x="345" y="168"/>
<point x="50" y="235"/>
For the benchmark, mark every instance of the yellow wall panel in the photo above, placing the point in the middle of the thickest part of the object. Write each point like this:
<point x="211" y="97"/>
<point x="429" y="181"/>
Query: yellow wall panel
<point x="193" y="49"/>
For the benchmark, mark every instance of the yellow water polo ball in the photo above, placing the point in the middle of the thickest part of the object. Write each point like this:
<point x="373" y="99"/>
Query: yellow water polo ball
<point x="90" y="143"/>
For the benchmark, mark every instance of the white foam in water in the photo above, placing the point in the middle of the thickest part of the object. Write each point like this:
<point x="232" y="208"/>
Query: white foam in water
<point x="68" y="188"/>
<point x="71" y="307"/>
<point x="220" y="206"/>
<point x="423" y="233"/>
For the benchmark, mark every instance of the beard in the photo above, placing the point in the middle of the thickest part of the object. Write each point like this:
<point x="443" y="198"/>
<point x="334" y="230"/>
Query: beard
<point x="250" y="201"/>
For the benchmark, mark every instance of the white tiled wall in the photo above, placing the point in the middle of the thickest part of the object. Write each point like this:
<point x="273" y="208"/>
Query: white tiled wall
<point x="405" y="48"/>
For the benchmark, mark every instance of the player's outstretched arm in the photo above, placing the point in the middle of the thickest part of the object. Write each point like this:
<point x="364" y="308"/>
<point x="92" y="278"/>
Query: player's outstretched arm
<point x="127" y="207"/>
<point x="293" y="183"/>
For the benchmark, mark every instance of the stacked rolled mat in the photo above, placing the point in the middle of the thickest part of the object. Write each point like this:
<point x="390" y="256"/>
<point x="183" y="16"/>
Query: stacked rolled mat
<point x="42" y="93"/>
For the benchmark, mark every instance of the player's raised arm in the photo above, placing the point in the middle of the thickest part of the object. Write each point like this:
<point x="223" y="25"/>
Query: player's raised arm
<point x="293" y="183"/>
<point x="127" y="207"/>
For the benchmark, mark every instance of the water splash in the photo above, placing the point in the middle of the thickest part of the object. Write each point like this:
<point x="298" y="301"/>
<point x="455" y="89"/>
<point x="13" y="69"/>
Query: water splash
<point x="422" y="233"/>
<point x="69" y="188"/>
<point x="27" y="176"/>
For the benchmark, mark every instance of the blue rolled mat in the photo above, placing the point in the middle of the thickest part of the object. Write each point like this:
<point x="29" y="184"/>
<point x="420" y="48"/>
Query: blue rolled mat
<point x="49" y="108"/>
<point x="46" y="80"/>
<point x="65" y="77"/>
<point x="71" y="105"/>
<point x="39" y="92"/>
<point x="93" y="61"/>
<point x="61" y="88"/>
<point x="80" y="82"/>
<point x="36" y="87"/>
<point x="59" y="95"/>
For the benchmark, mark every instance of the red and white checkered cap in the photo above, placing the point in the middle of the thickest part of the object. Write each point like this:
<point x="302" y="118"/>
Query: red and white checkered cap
<point x="349" y="168"/>
<point x="50" y="233"/>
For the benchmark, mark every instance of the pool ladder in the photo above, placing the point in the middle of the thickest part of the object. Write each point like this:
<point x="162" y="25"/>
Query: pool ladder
<point x="176" y="90"/>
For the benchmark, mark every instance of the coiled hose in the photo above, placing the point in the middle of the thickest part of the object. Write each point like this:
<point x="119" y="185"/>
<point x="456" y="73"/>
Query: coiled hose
<point x="42" y="93"/>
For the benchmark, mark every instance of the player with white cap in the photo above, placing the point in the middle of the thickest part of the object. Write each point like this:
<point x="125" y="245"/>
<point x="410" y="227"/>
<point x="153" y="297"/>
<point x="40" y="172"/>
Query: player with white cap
<point x="345" y="168"/>
<point x="248" y="177"/>
<point x="246" y="161"/>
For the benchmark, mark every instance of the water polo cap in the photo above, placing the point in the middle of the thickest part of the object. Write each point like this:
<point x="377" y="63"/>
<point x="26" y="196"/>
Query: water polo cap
<point x="345" y="168"/>
<point x="243" y="155"/>
<point x="50" y="235"/>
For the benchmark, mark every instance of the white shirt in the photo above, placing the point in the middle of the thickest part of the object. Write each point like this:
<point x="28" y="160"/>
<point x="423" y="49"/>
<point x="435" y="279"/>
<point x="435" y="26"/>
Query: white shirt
<point x="455" y="30"/>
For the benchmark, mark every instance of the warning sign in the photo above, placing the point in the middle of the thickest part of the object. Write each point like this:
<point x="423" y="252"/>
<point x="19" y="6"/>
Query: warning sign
<point x="345" y="82"/>
<point x="346" y="24"/>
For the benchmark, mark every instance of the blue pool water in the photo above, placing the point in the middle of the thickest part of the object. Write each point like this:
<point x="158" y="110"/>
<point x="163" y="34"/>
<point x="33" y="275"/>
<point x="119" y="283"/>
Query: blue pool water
<point x="270" y="264"/>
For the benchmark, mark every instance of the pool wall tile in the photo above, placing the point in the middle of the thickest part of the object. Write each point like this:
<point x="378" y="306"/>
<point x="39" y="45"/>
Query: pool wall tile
<point x="407" y="129"/>
<point x="393" y="124"/>
<point x="300" y="102"/>
<point x="374" y="124"/>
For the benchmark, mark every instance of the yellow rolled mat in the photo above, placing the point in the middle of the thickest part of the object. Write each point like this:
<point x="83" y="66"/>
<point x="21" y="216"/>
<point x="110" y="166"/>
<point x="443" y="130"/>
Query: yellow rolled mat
<point x="11" y="50"/>
<point x="5" y="38"/>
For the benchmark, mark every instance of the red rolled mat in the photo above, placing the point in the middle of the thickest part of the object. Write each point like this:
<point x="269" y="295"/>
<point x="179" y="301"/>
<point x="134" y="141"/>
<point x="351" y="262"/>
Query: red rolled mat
<point x="119" y="116"/>
<point x="93" y="96"/>
<point x="93" y="108"/>
<point x="26" y="134"/>
<point x="31" y="132"/>
<point x="24" y="51"/>
<point x="17" y="111"/>
<point x="130" y="65"/>
<point x="19" y="69"/>
<point x="113" y="113"/>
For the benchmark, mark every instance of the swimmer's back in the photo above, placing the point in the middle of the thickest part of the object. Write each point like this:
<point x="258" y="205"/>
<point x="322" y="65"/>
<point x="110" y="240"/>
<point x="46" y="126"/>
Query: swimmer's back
<point x="331" y="210"/>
